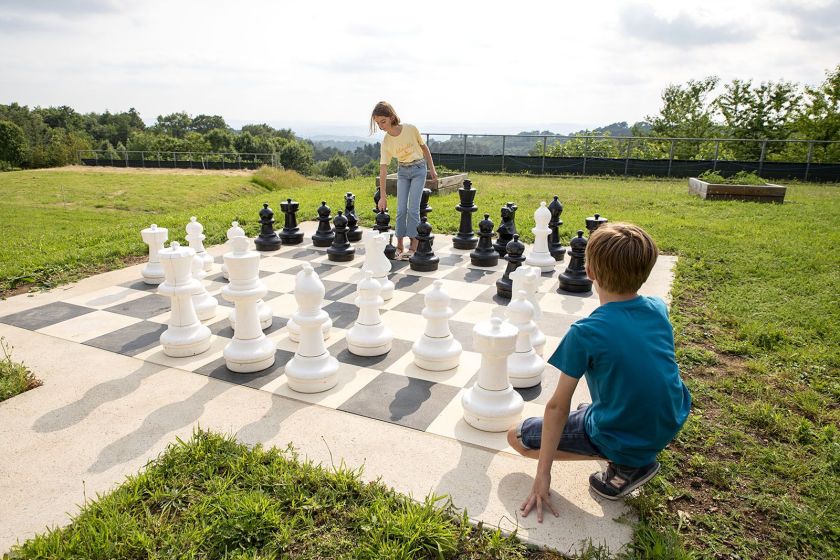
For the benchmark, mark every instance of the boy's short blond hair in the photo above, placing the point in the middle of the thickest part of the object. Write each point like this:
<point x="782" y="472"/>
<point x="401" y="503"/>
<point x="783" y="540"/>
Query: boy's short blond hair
<point x="620" y="256"/>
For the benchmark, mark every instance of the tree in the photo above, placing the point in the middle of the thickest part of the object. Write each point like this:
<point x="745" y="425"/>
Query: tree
<point x="297" y="156"/>
<point x="205" y="123"/>
<point x="174" y="124"/>
<point x="220" y="139"/>
<point x="13" y="145"/>
<point x="819" y="118"/>
<point x="337" y="166"/>
<point x="685" y="113"/>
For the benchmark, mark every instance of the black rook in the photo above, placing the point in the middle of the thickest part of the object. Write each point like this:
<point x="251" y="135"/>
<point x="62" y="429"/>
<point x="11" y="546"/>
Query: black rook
<point x="290" y="234"/>
<point x="466" y="239"/>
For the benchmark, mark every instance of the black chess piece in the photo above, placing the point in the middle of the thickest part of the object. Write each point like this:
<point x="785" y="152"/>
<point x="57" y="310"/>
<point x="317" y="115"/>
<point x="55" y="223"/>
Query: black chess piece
<point x="324" y="236"/>
<point x="514" y="258"/>
<point x="267" y="240"/>
<point x="505" y="231"/>
<point x="353" y="231"/>
<point x="465" y="238"/>
<point x="485" y="254"/>
<point x="383" y="219"/>
<point x="594" y="222"/>
<point x="424" y="259"/>
<point x="340" y="250"/>
<point x="425" y="209"/>
<point x="290" y="235"/>
<point x="513" y="208"/>
<point x="555" y="246"/>
<point x="574" y="278"/>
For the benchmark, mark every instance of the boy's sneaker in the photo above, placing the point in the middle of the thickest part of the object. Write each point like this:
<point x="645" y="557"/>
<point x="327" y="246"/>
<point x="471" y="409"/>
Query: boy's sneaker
<point x="618" y="481"/>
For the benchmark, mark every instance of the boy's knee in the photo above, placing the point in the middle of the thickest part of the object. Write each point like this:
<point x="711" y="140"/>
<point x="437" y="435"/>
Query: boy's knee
<point x="514" y="442"/>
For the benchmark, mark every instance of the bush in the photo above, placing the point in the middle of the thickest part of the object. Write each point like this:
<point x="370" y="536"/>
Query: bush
<point x="740" y="178"/>
<point x="297" y="156"/>
<point x="13" y="146"/>
<point x="337" y="166"/>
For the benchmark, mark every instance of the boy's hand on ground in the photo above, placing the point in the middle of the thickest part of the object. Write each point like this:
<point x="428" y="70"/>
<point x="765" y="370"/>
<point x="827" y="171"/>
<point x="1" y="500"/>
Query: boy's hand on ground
<point x="539" y="497"/>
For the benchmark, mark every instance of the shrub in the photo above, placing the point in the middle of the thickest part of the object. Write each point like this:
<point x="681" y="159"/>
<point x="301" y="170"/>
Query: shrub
<point x="337" y="166"/>
<point x="13" y="146"/>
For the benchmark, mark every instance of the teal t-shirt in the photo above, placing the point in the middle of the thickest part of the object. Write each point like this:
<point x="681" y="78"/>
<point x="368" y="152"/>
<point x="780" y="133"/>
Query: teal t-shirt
<point x="639" y="402"/>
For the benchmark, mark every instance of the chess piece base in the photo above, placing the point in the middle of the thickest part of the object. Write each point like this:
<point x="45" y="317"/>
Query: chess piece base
<point x="181" y="342"/>
<point x="492" y="411"/>
<point x="424" y="266"/>
<point x="205" y="306"/>
<point x="248" y="356"/>
<point x="504" y="290"/>
<point x="369" y="340"/>
<point x="525" y="369"/>
<point x="291" y="238"/>
<point x="574" y="285"/>
<point x="437" y="354"/>
<point x="322" y="241"/>
<point x="484" y="261"/>
<point x="355" y="235"/>
<point x="465" y="242"/>
<point x="342" y="256"/>
<point x="267" y="245"/>
<point x="558" y="253"/>
<point x="316" y="374"/>
<point x="543" y="261"/>
<point x="153" y="276"/>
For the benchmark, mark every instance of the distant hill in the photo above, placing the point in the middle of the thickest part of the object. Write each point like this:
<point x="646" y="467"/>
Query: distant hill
<point x="341" y="143"/>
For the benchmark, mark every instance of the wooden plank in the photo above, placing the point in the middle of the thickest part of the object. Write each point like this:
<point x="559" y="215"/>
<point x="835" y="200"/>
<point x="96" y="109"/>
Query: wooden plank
<point x="715" y="191"/>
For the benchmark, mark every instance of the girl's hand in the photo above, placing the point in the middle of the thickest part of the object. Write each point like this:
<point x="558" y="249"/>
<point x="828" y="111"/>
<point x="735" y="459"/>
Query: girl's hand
<point x="434" y="175"/>
<point x="383" y="203"/>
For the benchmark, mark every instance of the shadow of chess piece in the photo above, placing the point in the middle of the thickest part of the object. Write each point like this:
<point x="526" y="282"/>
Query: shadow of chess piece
<point x="594" y="222"/>
<point x="324" y="236"/>
<point x="555" y="246"/>
<point x="514" y="258"/>
<point x="340" y="250"/>
<point x="505" y="231"/>
<point x="425" y="209"/>
<point x="353" y="231"/>
<point x="485" y="254"/>
<point x="574" y="278"/>
<point x="466" y="239"/>
<point x="290" y="235"/>
<point x="267" y="240"/>
<point x="423" y="259"/>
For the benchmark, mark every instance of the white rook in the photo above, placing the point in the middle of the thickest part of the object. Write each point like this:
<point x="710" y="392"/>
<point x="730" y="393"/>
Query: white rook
<point x="195" y="237"/>
<point x="249" y="350"/>
<point x="154" y="237"/>
<point x="540" y="256"/>
<point x="525" y="367"/>
<point x="491" y="404"/>
<point x="376" y="262"/>
<point x="437" y="349"/>
<point x="185" y="336"/>
<point x="312" y="369"/>
<point x="369" y="336"/>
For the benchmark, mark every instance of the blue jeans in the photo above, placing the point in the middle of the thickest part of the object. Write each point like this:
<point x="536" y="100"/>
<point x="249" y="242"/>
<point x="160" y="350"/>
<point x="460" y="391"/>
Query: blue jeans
<point x="573" y="440"/>
<point x="410" y="182"/>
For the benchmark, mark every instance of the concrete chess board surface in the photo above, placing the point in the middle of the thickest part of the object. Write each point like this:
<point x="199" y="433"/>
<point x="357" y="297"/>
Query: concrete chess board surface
<point x="115" y="316"/>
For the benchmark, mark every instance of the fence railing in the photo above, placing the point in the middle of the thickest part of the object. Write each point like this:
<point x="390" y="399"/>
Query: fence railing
<point x="177" y="160"/>
<point x="808" y="160"/>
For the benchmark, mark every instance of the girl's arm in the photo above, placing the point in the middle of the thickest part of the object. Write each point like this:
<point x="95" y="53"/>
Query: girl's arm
<point x="383" y="177"/>
<point x="429" y="163"/>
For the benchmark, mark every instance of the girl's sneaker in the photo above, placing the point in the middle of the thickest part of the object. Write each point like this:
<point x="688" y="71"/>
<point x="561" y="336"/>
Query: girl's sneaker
<point x="617" y="481"/>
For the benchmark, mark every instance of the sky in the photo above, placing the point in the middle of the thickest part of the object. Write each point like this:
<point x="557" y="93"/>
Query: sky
<point x="319" y="67"/>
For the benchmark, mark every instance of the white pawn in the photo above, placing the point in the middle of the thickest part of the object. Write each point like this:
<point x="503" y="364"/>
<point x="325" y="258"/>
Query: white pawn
<point x="195" y="237"/>
<point x="491" y="404"/>
<point x="205" y="304"/>
<point x="369" y="336"/>
<point x="293" y="328"/>
<point x="249" y="350"/>
<point x="527" y="279"/>
<point x="186" y="336"/>
<point x="233" y="231"/>
<point x="154" y="237"/>
<point x="376" y="262"/>
<point x="540" y="256"/>
<point x="525" y="366"/>
<point x="437" y="349"/>
<point x="312" y="369"/>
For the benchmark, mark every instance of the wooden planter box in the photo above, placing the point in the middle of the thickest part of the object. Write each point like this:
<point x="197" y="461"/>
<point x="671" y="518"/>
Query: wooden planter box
<point x="755" y="193"/>
<point x="443" y="185"/>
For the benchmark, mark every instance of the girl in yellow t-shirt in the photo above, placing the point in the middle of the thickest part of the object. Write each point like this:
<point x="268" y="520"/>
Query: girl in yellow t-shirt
<point x="402" y="141"/>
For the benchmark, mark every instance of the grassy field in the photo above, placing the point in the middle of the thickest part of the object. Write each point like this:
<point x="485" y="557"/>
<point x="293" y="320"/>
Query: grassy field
<point x="754" y="473"/>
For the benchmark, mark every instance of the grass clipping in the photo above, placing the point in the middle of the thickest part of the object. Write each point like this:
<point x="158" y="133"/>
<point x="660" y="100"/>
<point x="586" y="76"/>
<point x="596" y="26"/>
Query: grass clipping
<point x="15" y="378"/>
<point x="212" y="497"/>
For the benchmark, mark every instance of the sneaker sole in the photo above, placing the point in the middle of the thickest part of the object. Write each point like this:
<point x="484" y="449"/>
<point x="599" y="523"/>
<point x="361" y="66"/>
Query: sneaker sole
<point x="629" y="488"/>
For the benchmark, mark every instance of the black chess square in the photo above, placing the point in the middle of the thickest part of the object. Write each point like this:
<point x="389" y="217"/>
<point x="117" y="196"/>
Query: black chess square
<point x="417" y="302"/>
<point x="217" y="369"/>
<point x="140" y="285"/>
<point x="342" y="314"/>
<point x="131" y="340"/>
<point x="337" y="290"/>
<point x="474" y="275"/>
<point x="142" y="308"/>
<point x="223" y="328"/>
<point x="410" y="282"/>
<point x="45" y="315"/>
<point x="380" y="363"/>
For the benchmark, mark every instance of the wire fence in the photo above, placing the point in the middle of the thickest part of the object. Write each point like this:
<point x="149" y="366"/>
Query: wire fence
<point x="176" y="160"/>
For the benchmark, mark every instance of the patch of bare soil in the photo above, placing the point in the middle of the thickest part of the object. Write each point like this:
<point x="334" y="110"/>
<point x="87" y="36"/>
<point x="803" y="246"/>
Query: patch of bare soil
<point x="150" y="170"/>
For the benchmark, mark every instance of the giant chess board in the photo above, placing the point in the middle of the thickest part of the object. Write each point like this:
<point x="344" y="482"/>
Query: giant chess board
<point x="128" y="317"/>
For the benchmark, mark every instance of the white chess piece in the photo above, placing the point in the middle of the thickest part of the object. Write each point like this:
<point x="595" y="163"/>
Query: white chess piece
<point x="263" y="312"/>
<point x="527" y="279"/>
<point x="185" y="336"/>
<point x="525" y="367"/>
<point x="491" y="404"/>
<point x="294" y="329"/>
<point x="312" y="369"/>
<point x="437" y="349"/>
<point x="540" y="256"/>
<point x="196" y="237"/>
<point x="249" y="350"/>
<point x="154" y="237"/>
<point x="369" y="336"/>
<point x="233" y="231"/>
<point x="376" y="262"/>
<point x="205" y="304"/>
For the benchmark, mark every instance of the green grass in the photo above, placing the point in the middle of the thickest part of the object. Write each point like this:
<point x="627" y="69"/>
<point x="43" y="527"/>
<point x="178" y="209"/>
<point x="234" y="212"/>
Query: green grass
<point x="754" y="473"/>
<point x="15" y="378"/>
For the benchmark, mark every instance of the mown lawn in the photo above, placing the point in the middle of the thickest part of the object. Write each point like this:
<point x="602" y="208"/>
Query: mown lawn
<point x="755" y="472"/>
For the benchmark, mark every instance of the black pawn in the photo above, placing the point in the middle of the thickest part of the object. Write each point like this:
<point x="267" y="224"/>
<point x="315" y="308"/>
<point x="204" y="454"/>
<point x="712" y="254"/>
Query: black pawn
<point x="574" y="278"/>
<point x="425" y="209"/>
<point x="267" y="240"/>
<point x="594" y="222"/>
<point x="514" y="257"/>
<point x="353" y="231"/>
<point x="485" y="254"/>
<point x="325" y="234"/>
<point x="340" y="250"/>
<point x="290" y="234"/>
<point x="465" y="238"/>
<point x="505" y="231"/>
<point x="383" y="219"/>
<point x="555" y="246"/>
<point x="423" y="259"/>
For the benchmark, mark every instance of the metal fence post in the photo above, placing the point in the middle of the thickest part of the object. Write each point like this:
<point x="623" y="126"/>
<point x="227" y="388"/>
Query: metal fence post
<point x="808" y="161"/>
<point x="717" y="148"/>
<point x="585" y="154"/>
<point x="143" y="158"/>
<point x="542" y="167"/>
<point x="671" y="158"/>
<point x="627" y="159"/>
<point x="761" y="159"/>
<point x="465" y="152"/>
<point x="504" y="137"/>
<point x="175" y="160"/>
<point x="125" y="152"/>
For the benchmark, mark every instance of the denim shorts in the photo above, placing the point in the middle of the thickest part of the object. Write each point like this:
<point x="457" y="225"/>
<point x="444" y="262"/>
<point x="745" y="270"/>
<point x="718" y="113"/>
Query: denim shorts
<point x="573" y="440"/>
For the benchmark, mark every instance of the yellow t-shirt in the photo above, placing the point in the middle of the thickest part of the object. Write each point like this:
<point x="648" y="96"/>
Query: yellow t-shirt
<point x="406" y="147"/>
